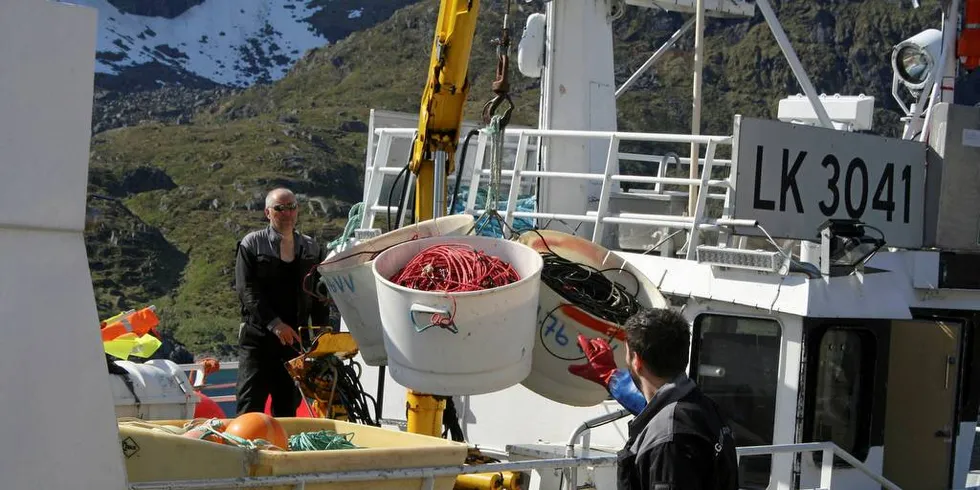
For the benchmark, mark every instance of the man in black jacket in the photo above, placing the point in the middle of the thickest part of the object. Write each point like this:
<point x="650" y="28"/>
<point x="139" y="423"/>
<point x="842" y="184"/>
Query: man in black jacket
<point x="679" y="440"/>
<point x="269" y="273"/>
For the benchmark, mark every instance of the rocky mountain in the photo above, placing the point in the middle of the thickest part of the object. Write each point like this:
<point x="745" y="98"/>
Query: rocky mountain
<point x="146" y="44"/>
<point x="184" y="180"/>
<point x="163" y="60"/>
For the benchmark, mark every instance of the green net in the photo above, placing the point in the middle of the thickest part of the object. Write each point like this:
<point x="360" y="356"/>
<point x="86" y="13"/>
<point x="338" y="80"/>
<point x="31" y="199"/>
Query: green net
<point x="320" y="441"/>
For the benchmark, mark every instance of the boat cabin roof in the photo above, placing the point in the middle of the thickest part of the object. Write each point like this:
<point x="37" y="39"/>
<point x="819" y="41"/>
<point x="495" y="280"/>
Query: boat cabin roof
<point x="892" y="284"/>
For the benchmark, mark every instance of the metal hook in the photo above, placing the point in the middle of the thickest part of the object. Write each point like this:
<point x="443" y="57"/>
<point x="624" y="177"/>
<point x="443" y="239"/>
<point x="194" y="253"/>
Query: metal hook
<point x="493" y="104"/>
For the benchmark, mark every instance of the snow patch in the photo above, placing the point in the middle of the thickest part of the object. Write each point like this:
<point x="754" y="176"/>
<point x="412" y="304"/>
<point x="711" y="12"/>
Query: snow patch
<point x="231" y="42"/>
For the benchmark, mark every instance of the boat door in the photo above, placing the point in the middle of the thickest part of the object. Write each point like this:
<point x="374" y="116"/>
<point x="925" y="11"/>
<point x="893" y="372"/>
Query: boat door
<point x="920" y="403"/>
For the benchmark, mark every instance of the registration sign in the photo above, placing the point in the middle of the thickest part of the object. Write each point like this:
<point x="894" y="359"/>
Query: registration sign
<point x="791" y="178"/>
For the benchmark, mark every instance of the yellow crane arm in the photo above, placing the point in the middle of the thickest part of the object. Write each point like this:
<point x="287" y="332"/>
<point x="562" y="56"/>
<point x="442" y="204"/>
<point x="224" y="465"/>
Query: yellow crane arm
<point x="441" y="112"/>
<point x="440" y="119"/>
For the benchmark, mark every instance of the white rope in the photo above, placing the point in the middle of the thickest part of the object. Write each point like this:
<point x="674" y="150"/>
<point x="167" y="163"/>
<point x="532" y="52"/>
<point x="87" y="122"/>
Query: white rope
<point x="496" y="132"/>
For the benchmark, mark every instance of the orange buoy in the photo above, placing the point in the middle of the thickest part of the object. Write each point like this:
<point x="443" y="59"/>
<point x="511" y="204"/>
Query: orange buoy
<point x="257" y="425"/>
<point x="208" y="408"/>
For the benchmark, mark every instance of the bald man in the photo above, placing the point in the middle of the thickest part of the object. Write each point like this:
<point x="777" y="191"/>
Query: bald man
<point x="269" y="272"/>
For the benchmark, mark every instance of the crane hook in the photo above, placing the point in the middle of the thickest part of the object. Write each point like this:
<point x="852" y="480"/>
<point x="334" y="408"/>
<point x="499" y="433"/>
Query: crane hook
<point x="501" y="84"/>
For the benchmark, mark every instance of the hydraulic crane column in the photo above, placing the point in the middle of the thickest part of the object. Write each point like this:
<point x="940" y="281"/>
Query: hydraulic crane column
<point x="441" y="112"/>
<point x="434" y="150"/>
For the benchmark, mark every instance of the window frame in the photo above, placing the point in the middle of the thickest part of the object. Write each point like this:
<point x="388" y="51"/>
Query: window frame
<point x="694" y="361"/>
<point x="873" y="372"/>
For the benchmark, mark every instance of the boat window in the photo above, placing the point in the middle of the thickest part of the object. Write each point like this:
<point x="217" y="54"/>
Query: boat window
<point x="840" y="403"/>
<point x="735" y="361"/>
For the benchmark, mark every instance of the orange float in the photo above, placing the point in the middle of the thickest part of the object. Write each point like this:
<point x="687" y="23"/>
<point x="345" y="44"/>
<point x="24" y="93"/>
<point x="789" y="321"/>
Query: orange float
<point x="207" y="408"/>
<point x="257" y="425"/>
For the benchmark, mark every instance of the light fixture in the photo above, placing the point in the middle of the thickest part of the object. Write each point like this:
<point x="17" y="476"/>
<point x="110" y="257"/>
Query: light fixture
<point x="757" y="260"/>
<point x="845" y="245"/>
<point x="916" y="59"/>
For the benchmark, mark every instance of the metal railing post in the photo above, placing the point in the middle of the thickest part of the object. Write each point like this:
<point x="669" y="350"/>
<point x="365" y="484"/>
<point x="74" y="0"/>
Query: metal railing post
<point x="709" y="156"/>
<point x="375" y="180"/>
<point x="612" y="157"/>
<point x="827" y="468"/>
<point x="520" y="161"/>
<point x="481" y="151"/>
<point x="571" y="475"/>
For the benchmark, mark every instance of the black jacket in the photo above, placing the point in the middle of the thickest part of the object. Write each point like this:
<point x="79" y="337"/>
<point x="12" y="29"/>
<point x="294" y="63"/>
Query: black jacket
<point x="679" y="441"/>
<point x="271" y="290"/>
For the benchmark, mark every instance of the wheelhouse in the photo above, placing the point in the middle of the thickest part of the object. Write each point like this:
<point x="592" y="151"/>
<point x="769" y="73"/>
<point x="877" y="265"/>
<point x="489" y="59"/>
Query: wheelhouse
<point x="806" y="360"/>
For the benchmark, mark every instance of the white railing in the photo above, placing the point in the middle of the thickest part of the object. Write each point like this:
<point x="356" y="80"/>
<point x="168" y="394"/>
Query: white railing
<point x="378" y="168"/>
<point x="195" y="372"/>
<point x="829" y="450"/>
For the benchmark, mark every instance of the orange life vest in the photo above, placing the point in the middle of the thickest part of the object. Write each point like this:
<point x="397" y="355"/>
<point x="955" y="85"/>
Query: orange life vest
<point x="139" y="322"/>
<point x="968" y="44"/>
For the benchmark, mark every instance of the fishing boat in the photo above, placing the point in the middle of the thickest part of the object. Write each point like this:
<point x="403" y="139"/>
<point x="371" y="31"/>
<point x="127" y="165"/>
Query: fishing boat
<point x="831" y="276"/>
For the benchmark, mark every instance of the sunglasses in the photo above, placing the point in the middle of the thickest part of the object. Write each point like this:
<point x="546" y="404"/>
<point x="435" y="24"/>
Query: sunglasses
<point x="285" y="207"/>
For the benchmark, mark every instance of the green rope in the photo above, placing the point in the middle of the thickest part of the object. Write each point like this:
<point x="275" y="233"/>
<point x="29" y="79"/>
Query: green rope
<point x="496" y="132"/>
<point x="320" y="441"/>
<point x="240" y="441"/>
<point x="354" y="218"/>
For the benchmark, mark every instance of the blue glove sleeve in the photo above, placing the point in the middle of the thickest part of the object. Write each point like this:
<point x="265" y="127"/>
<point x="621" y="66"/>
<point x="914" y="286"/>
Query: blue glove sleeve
<point x="622" y="388"/>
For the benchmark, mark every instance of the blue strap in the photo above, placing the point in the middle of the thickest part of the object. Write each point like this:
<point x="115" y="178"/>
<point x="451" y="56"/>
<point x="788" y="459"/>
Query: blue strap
<point x="622" y="388"/>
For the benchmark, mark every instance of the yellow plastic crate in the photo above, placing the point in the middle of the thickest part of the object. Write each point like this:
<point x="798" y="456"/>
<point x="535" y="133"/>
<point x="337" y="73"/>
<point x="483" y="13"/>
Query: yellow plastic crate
<point x="155" y="455"/>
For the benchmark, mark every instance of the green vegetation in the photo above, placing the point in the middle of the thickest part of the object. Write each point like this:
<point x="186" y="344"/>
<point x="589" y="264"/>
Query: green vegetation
<point x="186" y="193"/>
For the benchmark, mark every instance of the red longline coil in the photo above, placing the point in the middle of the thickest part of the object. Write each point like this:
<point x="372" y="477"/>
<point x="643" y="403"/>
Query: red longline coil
<point x="455" y="268"/>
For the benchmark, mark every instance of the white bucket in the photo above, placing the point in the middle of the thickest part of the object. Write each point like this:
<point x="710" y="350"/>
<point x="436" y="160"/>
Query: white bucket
<point x="349" y="280"/>
<point x="491" y="348"/>
<point x="556" y="345"/>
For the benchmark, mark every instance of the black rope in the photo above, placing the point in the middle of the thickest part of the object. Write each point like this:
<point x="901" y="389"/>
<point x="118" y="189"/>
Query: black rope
<point x="347" y="389"/>
<point x="380" y="407"/>
<point x="459" y="170"/>
<point x="587" y="288"/>
<point x="391" y="193"/>
<point x="350" y="393"/>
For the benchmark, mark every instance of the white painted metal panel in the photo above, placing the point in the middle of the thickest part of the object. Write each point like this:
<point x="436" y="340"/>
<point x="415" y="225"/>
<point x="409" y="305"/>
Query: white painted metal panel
<point x="578" y="93"/>
<point x="792" y="178"/>
<point x="878" y="295"/>
<point x="47" y="60"/>
<point x="59" y="425"/>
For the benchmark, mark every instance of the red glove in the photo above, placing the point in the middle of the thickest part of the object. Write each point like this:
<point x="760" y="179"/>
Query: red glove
<point x="600" y="366"/>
